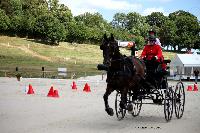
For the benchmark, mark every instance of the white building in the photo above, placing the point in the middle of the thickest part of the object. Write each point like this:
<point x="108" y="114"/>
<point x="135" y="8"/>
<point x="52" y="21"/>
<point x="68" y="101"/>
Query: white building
<point x="183" y="65"/>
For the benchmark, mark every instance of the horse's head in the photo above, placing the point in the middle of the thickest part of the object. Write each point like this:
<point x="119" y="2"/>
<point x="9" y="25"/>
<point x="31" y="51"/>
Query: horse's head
<point x="110" y="49"/>
<point x="114" y="53"/>
<point x="114" y="50"/>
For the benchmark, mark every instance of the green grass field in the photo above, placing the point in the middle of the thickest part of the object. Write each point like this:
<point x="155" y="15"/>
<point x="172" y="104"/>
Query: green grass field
<point x="30" y="56"/>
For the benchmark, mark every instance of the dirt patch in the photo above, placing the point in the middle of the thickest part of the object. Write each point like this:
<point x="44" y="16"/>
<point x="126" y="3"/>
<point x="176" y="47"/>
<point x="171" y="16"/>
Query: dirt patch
<point x="28" y="51"/>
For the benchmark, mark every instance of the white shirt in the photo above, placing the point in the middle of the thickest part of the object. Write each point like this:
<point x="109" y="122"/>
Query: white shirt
<point x="158" y="42"/>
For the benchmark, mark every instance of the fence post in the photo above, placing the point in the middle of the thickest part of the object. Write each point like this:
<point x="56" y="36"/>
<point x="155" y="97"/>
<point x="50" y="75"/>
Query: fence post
<point x="43" y="72"/>
<point x="16" y="69"/>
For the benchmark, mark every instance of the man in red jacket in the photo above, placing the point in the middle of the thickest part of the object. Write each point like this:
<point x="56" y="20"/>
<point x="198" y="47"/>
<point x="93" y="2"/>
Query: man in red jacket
<point x="152" y="51"/>
<point x="152" y="55"/>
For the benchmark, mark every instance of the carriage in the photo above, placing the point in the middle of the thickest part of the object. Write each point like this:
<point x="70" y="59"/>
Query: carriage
<point x="171" y="97"/>
<point x="135" y="92"/>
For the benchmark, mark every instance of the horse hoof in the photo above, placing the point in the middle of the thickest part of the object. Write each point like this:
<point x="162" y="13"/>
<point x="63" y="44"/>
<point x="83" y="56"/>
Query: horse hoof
<point x="109" y="111"/>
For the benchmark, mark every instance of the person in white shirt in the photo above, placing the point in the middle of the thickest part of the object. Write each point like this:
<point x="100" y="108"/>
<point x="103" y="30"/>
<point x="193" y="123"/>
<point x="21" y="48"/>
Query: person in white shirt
<point x="158" y="42"/>
<point x="153" y="33"/>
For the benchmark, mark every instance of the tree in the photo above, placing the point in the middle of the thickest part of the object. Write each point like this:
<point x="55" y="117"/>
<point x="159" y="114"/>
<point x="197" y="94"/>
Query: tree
<point x="6" y="6"/>
<point x="140" y="42"/>
<point x="13" y="10"/>
<point x="50" y="29"/>
<point x="187" y="29"/>
<point x="197" y="43"/>
<point x="4" y="21"/>
<point x="93" y="26"/>
<point x="64" y="14"/>
<point x="90" y="20"/>
<point x="35" y="7"/>
<point x="28" y="25"/>
<point x="156" y="18"/>
<point x="16" y="23"/>
<point x="32" y="9"/>
<point x="60" y="11"/>
<point x="11" y="7"/>
<point x="119" y="20"/>
<point x="168" y="33"/>
<point x="136" y="24"/>
<point x="77" y="32"/>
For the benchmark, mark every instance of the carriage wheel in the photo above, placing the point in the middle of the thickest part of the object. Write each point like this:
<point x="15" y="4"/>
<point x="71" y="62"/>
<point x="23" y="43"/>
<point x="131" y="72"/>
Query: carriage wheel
<point x="179" y="100"/>
<point x="137" y="104"/>
<point x="119" y="111"/>
<point x="168" y="104"/>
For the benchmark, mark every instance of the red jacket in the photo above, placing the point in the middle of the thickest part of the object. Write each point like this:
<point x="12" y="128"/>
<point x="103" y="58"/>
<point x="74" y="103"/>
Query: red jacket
<point x="151" y="51"/>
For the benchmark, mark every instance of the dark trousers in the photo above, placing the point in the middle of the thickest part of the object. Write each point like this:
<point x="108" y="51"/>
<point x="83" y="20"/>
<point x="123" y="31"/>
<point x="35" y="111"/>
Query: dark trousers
<point x="196" y="79"/>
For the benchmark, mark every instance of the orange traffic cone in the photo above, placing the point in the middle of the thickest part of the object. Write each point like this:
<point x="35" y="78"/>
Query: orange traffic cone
<point x="74" y="87"/>
<point x="189" y="88"/>
<point x="87" y="88"/>
<point x="195" y="87"/>
<point x="55" y="93"/>
<point x="30" y="89"/>
<point x="51" y="92"/>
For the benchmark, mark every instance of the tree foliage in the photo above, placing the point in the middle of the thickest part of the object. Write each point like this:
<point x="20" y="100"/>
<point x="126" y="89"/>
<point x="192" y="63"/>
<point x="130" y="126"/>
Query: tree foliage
<point x="136" y="24"/>
<point x="50" y="28"/>
<point x="49" y="21"/>
<point x="168" y="33"/>
<point x="188" y="29"/>
<point x="119" y="20"/>
<point x="156" y="18"/>
<point x="4" y="21"/>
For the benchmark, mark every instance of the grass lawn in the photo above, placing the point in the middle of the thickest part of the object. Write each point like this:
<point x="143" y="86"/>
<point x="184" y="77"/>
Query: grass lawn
<point x="30" y="56"/>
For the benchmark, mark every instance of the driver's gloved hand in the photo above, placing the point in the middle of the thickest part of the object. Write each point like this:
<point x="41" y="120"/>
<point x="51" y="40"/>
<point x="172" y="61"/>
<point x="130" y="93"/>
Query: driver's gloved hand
<point x="154" y="58"/>
<point x="143" y="59"/>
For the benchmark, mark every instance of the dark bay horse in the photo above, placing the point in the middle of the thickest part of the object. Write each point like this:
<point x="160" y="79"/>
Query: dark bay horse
<point x="123" y="74"/>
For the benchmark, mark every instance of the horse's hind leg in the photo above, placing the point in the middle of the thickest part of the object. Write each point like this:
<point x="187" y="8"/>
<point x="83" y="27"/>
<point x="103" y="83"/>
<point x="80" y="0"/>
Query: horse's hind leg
<point x="123" y="98"/>
<point x="109" y="110"/>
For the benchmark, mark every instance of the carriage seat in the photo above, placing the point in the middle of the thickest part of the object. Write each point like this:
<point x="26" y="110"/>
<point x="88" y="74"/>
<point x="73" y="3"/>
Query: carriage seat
<point x="156" y="69"/>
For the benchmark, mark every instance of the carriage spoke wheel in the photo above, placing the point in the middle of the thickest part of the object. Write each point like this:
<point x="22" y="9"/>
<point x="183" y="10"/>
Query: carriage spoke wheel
<point x="179" y="100"/>
<point x="168" y="104"/>
<point x="137" y="104"/>
<point x="119" y="111"/>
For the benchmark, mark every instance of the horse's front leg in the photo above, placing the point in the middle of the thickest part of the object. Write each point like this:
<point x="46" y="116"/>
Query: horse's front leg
<point x="109" y="110"/>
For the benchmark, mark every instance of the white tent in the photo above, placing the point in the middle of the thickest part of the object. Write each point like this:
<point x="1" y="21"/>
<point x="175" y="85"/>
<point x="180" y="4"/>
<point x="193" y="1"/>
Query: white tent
<point x="183" y="65"/>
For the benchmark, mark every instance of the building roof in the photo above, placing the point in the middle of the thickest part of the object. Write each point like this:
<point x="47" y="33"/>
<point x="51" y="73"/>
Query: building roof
<point x="186" y="60"/>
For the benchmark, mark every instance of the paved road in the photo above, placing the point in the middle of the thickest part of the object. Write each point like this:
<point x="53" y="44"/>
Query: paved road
<point x="81" y="112"/>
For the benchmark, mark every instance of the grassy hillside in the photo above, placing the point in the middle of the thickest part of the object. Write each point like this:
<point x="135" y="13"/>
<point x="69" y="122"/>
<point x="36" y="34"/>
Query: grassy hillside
<point x="30" y="56"/>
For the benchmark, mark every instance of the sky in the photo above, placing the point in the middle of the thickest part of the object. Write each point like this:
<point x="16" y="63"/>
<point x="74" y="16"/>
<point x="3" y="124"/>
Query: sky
<point x="107" y="8"/>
